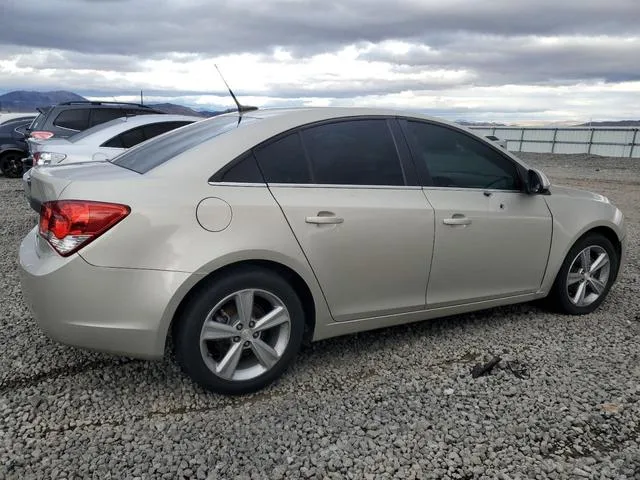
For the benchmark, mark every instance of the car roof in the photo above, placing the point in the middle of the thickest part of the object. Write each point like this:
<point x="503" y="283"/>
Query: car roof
<point x="9" y="117"/>
<point x="260" y="126"/>
<point x="312" y="114"/>
<point x="121" y="124"/>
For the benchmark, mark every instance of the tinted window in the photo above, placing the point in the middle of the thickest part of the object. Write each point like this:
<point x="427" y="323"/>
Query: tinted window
<point x="458" y="160"/>
<point x="102" y="115"/>
<point x="132" y="137"/>
<point x="115" y="142"/>
<point x="37" y="122"/>
<point x="284" y="161"/>
<point x="358" y="152"/>
<point x="155" y="129"/>
<point x="245" y="171"/>
<point x="159" y="150"/>
<point x="139" y="111"/>
<point x="75" y="119"/>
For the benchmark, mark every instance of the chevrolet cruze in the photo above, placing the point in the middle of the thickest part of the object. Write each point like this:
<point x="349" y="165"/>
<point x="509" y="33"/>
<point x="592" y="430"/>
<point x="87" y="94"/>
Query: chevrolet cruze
<point x="241" y="236"/>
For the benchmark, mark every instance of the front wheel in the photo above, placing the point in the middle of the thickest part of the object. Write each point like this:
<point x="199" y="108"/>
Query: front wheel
<point x="586" y="275"/>
<point x="240" y="332"/>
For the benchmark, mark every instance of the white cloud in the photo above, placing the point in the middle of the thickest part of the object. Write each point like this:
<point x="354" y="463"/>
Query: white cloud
<point x="505" y="61"/>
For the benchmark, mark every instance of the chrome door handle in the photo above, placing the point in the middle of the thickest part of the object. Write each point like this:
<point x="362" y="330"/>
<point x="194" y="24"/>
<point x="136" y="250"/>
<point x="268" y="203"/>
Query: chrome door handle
<point x="457" y="220"/>
<point x="324" y="220"/>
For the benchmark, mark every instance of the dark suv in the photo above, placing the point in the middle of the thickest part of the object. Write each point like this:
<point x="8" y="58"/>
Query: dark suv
<point x="68" y="118"/>
<point x="13" y="146"/>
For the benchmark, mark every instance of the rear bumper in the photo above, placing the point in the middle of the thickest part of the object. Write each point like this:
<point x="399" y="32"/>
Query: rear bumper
<point x="113" y="310"/>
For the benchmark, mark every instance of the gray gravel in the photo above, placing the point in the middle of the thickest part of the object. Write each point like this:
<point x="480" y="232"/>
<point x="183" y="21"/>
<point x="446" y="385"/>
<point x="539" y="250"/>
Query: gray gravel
<point x="396" y="403"/>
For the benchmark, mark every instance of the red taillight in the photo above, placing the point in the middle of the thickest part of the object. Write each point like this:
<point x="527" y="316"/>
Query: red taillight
<point x="69" y="225"/>
<point x="41" y="134"/>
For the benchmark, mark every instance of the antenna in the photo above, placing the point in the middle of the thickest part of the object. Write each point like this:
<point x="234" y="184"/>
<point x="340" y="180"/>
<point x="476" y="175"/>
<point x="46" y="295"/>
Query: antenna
<point x="120" y="108"/>
<point x="241" y="108"/>
<point x="141" y="100"/>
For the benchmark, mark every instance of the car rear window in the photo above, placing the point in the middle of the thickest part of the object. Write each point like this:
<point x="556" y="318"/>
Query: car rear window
<point x="158" y="150"/>
<point x="39" y="119"/>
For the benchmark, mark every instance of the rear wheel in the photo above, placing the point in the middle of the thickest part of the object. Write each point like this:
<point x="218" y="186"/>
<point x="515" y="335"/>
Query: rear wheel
<point x="11" y="164"/>
<point x="586" y="275"/>
<point x="240" y="333"/>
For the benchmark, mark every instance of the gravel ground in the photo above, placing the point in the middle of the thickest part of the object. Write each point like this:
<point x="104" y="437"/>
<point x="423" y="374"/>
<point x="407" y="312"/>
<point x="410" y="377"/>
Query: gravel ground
<point x="396" y="403"/>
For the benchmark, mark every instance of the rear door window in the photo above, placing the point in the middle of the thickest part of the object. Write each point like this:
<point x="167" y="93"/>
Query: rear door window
<point x="73" y="119"/>
<point x="354" y="152"/>
<point x="284" y="160"/>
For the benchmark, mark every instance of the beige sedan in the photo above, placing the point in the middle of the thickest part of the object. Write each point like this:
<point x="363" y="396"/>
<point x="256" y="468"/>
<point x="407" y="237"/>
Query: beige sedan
<point x="242" y="235"/>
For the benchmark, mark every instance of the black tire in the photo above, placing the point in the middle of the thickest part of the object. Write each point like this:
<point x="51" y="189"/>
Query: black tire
<point x="189" y="326"/>
<point x="11" y="164"/>
<point x="559" y="298"/>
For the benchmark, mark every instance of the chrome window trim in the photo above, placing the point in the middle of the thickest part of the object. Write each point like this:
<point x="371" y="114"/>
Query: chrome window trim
<point x="472" y="189"/>
<point x="315" y="185"/>
<point x="237" y="184"/>
<point x="344" y="186"/>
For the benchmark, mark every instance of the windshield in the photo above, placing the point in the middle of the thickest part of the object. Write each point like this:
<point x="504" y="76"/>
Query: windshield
<point x="158" y="150"/>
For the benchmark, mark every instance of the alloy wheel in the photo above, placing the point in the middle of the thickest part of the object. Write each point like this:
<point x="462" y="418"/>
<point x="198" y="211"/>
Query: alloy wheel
<point x="245" y="334"/>
<point x="588" y="276"/>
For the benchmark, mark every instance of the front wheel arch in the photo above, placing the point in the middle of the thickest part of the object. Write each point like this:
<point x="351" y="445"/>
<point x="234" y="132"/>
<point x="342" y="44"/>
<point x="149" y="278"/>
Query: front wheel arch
<point x="555" y="297"/>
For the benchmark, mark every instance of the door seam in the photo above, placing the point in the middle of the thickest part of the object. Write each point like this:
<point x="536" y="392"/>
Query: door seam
<point x="313" y="271"/>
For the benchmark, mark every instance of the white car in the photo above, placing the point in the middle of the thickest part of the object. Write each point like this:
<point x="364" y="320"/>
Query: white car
<point x="104" y="141"/>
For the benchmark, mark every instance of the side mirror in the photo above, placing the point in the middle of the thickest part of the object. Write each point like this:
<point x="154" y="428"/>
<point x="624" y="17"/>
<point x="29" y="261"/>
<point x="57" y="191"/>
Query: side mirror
<point x="99" y="157"/>
<point x="537" y="182"/>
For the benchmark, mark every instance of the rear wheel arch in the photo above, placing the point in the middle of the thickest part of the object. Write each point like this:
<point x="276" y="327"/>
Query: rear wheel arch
<point x="291" y="276"/>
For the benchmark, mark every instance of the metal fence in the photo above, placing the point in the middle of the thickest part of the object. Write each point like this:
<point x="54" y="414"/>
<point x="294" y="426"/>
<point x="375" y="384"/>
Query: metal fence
<point x="605" y="141"/>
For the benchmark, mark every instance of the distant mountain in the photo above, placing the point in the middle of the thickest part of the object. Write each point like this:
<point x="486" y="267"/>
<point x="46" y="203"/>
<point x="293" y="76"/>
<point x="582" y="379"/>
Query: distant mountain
<point x="615" y="123"/>
<point x="467" y="123"/>
<point x="28" y="101"/>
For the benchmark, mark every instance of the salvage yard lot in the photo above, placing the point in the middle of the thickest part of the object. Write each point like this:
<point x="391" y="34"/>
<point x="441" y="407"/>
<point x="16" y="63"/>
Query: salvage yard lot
<point x="398" y="402"/>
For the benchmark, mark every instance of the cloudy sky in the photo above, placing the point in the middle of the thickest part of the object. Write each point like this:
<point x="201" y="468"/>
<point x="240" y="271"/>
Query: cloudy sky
<point x="499" y="60"/>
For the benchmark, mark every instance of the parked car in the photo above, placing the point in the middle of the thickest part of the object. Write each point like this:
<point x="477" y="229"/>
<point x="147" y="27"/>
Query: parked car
<point x="99" y="143"/>
<point x="13" y="147"/>
<point x="502" y="143"/>
<point x="104" y="141"/>
<point x="68" y="118"/>
<point x="240" y="235"/>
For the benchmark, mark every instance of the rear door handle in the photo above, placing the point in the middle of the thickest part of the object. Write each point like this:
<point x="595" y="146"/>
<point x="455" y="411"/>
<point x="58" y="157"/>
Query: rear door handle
<point x="457" y="219"/>
<point x="324" y="220"/>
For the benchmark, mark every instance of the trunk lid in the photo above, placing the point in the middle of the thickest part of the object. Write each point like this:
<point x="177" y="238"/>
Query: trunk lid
<point x="39" y="145"/>
<point x="45" y="184"/>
